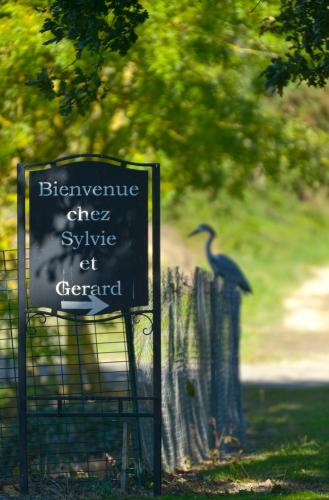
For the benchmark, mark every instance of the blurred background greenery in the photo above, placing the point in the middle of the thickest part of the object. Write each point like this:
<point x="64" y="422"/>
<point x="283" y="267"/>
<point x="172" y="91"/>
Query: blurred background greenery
<point x="190" y="95"/>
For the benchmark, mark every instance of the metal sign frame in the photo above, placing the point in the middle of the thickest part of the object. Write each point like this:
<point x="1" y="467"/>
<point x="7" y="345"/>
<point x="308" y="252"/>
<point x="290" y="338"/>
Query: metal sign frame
<point x="24" y="316"/>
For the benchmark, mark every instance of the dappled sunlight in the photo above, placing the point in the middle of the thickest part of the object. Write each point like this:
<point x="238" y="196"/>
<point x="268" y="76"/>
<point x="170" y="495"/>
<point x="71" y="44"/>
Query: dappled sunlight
<point x="284" y="407"/>
<point x="289" y="438"/>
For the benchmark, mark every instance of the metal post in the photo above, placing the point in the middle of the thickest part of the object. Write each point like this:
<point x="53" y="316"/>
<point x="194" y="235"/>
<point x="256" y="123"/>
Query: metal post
<point x="214" y="362"/>
<point x="124" y="459"/>
<point x="133" y="388"/>
<point x="156" y="329"/>
<point x="23" y="466"/>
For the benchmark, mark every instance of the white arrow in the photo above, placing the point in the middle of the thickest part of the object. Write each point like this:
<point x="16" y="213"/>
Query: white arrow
<point x="95" y="305"/>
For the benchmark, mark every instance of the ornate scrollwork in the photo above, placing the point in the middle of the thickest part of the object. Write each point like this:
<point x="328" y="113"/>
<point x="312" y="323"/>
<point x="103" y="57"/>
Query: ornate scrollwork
<point x="76" y="319"/>
<point x="148" y="330"/>
<point x="41" y="315"/>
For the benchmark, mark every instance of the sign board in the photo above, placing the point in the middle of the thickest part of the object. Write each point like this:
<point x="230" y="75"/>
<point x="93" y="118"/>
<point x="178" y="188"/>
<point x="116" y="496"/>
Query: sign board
<point x="88" y="238"/>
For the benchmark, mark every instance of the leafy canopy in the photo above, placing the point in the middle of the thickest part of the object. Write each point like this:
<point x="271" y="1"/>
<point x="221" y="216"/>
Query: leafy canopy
<point x="95" y="26"/>
<point x="305" y="26"/>
<point x="187" y="95"/>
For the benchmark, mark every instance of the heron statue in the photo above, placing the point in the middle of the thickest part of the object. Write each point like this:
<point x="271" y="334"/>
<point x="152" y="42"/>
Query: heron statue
<point x="222" y="265"/>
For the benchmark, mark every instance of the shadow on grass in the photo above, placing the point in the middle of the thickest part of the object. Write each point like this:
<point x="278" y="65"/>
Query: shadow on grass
<point x="286" y="456"/>
<point x="287" y="450"/>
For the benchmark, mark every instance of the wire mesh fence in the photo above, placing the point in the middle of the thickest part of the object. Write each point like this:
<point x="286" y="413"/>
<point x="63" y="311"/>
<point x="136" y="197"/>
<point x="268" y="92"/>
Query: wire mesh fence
<point x="95" y="369"/>
<point x="78" y="382"/>
<point x="201" y="390"/>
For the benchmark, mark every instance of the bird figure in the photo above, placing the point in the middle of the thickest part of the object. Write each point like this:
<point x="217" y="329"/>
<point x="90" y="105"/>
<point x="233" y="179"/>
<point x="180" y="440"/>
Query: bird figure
<point x="221" y="264"/>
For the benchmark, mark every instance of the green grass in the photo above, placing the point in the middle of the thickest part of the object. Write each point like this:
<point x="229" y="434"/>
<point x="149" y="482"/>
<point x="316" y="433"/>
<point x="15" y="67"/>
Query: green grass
<point x="305" y="495"/>
<point x="289" y="436"/>
<point x="275" y="238"/>
<point x="287" y="448"/>
<point x="288" y="445"/>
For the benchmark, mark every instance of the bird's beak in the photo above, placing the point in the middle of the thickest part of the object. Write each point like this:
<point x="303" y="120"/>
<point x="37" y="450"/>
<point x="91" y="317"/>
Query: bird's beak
<point x="196" y="231"/>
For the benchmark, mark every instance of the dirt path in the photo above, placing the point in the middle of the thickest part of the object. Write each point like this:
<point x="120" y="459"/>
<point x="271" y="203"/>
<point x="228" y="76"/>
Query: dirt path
<point x="307" y="310"/>
<point x="304" y="337"/>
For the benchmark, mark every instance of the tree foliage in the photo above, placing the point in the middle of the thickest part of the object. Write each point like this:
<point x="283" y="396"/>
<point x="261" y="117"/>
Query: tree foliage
<point x="305" y="26"/>
<point x="186" y="94"/>
<point x="95" y="27"/>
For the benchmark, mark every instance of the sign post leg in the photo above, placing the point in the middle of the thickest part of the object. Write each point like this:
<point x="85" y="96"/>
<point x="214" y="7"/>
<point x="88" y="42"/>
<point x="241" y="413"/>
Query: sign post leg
<point x="133" y="391"/>
<point x="157" y="466"/>
<point x="22" y="417"/>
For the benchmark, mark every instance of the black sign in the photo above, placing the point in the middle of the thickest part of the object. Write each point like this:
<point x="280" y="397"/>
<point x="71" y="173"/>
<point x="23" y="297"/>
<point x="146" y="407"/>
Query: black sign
<point x="88" y="238"/>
